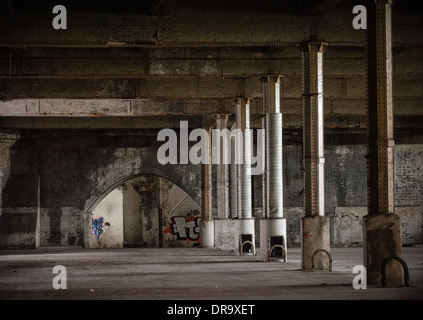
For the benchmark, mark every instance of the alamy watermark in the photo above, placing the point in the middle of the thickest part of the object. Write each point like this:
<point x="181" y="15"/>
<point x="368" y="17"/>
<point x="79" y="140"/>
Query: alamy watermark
<point x="359" y="21"/>
<point x="177" y="151"/>
<point x="60" y="21"/>
<point x="60" y="281"/>
<point x="360" y="280"/>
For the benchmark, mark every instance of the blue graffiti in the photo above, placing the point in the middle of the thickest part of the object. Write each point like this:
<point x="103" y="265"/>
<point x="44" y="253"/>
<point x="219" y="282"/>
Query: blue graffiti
<point x="98" y="227"/>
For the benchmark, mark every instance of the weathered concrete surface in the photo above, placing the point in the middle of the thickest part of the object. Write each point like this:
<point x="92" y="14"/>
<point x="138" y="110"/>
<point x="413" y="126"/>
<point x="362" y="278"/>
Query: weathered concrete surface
<point x="272" y="227"/>
<point x="6" y="142"/>
<point x="191" y="274"/>
<point x="226" y="235"/>
<point x="18" y="227"/>
<point x="315" y="236"/>
<point x="111" y="210"/>
<point x="207" y="234"/>
<point x="78" y="169"/>
<point x="381" y="240"/>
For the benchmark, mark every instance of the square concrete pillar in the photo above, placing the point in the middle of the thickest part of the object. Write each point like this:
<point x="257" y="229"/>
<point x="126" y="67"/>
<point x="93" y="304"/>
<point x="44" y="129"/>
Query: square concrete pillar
<point x="315" y="236"/>
<point x="382" y="239"/>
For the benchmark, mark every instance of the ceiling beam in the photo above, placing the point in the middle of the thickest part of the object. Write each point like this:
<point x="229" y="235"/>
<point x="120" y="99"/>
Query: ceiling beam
<point x="161" y="7"/>
<point x="320" y="7"/>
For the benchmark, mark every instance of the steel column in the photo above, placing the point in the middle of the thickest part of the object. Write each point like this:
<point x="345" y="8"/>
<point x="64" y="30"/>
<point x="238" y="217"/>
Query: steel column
<point x="207" y="224"/>
<point x="244" y="156"/>
<point x="315" y="233"/>
<point x="222" y="167"/>
<point x="233" y="175"/>
<point x="272" y="225"/>
<point x="314" y="195"/>
<point x="382" y="227"/>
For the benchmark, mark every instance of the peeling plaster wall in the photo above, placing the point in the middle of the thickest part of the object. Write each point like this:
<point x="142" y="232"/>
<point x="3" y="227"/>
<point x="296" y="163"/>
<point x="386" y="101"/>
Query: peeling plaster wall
<point x="148" y="211"/>
<point x="111" y="210"/>
<point x="141" y="204"/>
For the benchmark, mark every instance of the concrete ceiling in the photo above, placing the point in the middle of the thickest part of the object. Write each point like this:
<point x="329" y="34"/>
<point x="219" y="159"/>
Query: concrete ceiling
<point x="168" y="58"/>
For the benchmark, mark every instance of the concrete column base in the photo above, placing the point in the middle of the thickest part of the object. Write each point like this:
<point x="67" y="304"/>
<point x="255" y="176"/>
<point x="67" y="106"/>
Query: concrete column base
<point x="315" y="235"/>
<point x="228" y="233"/>
<point x="246" y="229"/>
<point x="207" y="234"/>
<point x="273" y="227"/>
<point x="382" y="239"/>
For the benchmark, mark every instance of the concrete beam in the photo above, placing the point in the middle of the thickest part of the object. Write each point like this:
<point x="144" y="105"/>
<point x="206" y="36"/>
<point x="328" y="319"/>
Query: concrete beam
<point x="320" y="7"/>
<point x="178" y="107"/>
<point x="213" y="24"/>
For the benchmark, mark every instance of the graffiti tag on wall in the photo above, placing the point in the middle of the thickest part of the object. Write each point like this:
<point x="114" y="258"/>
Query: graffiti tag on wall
<point x="185" y="228"/>
<point x="98" y="227"/>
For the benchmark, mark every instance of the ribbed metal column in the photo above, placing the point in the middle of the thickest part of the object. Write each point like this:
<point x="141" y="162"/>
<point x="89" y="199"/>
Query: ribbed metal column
<point x="243" y="152"/>
<point x="264" y="176"/>
<point x="273" y="180"/>
<point x="207" y="224"/>
<point x="245" y="221"/>
<point x="233" y="175"/>
<point x="222" y="168"/>
<point x="274" y="183"/>
<point x="272" y="225"/>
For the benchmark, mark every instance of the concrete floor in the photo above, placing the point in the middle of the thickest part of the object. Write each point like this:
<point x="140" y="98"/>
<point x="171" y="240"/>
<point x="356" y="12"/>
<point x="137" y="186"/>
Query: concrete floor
<point x="190" y="274"/>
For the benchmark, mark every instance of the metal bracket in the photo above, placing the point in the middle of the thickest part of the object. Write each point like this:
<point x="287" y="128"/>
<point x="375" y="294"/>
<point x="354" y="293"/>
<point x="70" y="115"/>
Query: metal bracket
<point x="327" y="253"/>
<point x="277" y="246"/>
<point x="404" y="266"/>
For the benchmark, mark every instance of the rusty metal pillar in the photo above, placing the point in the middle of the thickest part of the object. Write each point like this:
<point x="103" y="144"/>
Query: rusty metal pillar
<point x="207" y="223"/>
<point x="273" y="224"/>
<point x="314" y="225"/>
<point x="382" y="227"/>
<point x="6" y="142"/>
<point x="222" y="166"/>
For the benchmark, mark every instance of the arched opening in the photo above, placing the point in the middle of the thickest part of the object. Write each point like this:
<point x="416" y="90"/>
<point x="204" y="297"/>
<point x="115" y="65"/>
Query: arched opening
<point x="145" y="211"/>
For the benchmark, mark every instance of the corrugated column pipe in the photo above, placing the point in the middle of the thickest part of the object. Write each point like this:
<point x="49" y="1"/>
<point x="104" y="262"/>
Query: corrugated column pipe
<point x="233" y="175"/>
<point x="244" y="155"/>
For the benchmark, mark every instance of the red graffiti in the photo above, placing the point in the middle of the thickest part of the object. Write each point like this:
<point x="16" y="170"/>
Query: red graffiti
<point x="307" y="234"/>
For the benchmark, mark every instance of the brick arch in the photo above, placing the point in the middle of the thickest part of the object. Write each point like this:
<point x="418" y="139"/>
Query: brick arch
<point x="127" y="164"/>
